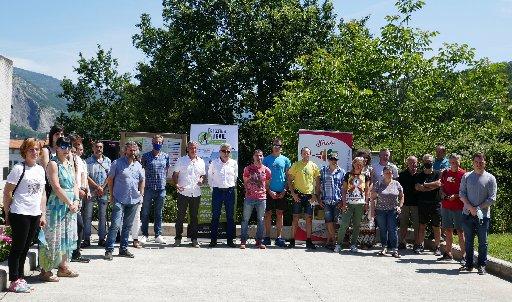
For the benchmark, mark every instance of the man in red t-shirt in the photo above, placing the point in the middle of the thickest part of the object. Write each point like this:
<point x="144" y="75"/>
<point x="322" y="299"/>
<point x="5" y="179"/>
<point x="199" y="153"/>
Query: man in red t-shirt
<point x="256" y="183"/>
<point x="451" y="205"/>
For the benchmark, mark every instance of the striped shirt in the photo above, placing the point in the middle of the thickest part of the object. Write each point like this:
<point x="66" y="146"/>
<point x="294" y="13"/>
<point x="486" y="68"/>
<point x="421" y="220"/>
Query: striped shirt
<point x="331" y="184"/>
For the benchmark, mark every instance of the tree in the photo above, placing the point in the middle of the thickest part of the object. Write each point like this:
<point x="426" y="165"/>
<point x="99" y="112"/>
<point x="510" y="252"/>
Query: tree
<point x="102" y="102"/>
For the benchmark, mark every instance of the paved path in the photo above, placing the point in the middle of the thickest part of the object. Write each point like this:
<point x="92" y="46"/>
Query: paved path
<point x="223" y="274"/>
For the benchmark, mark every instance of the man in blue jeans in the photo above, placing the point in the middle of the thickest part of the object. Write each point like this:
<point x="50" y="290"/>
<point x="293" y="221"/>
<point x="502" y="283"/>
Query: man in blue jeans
<point x="256" y="183"/>
<point x="222" y="174"/>
<point x="478" y="192"/>
<point x="126" y="187"/>
<point x="156" y="165"/>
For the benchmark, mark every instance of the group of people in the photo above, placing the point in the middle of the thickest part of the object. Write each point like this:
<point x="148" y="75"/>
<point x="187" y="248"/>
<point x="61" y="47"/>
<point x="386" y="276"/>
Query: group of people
<point x="50" y="197"/>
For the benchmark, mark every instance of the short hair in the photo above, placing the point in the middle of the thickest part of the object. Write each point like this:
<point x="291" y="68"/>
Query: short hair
<point x="192" y="143"/>
<point x="358" y="159"/>
<point x="479" y="155"/>
<point x="76" y="140"/>
<point x="27" y="144"/>
<point x="257" y="151"/>
<point x="454" y="156"/>
<point x="94" y="143"/>
<point x="277" y="138"/>
<point x="387" y="168"/>
<point x="441" y="147"/>
<point x="304" y="148"/>
<point x="225" y="146"/>
<point x="130" y="144"/>
<point x="427" y="156"/>
<point x="55" y="129"/>
<point x="384" y="150"/>
<point x="157" y="136"/>
<point x="364" y="154"/>
<point x="411" y="157"/>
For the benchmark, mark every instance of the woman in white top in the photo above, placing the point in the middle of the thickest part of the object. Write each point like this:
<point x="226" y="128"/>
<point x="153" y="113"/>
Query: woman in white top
<point x="25" y="208"/>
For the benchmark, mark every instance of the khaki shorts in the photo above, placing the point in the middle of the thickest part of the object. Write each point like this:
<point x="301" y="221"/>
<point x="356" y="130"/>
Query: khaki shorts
<point x="409" y="213"/>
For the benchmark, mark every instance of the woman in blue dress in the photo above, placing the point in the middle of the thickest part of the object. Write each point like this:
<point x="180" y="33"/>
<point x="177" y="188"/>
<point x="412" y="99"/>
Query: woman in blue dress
<point x="59" y="237"/>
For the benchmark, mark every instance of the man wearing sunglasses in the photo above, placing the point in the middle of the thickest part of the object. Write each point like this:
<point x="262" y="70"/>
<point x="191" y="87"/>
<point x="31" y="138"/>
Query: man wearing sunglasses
<point x="279" y="166"/>
<point x="222" y="174"/>
<point x="156" y="164"/>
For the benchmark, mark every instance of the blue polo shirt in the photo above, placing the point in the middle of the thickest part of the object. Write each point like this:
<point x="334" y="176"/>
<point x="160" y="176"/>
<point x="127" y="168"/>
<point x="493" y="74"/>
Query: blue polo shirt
<point x="278" y="167"/>
<point x="126" y="180"/>
<point x="441" y="164"/>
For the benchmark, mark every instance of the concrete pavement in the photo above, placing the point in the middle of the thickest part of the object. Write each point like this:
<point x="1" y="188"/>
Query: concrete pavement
<point x="165" y="273"/>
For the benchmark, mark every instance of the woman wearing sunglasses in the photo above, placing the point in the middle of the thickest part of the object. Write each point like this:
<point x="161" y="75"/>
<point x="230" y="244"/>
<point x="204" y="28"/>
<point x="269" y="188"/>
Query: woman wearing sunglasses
<point x="59" y="236"/>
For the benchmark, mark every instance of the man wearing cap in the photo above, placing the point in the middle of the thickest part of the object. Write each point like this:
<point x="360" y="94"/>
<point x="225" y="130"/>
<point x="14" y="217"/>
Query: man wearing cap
<point x="279" y="166"/>
<point x="329" y="187"/>
<point x="222" y="174"/>
<point x="302" y="179"/>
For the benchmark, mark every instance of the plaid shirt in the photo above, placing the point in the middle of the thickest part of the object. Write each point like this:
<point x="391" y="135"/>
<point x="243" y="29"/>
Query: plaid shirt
<point x="331" y="184"/>
<point x="156" y="169"/>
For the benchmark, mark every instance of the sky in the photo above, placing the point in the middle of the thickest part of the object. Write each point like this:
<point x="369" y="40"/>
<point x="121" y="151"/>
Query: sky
<point x="46" y="36"/>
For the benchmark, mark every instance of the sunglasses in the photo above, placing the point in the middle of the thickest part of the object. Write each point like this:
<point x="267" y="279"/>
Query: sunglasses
<point x="225" y="151"/>
<point x="65" y="146"/>
<point x="278" y="146"/>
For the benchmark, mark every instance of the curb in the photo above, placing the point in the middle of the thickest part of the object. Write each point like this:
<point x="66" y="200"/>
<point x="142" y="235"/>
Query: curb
<point x="4" y="276"/>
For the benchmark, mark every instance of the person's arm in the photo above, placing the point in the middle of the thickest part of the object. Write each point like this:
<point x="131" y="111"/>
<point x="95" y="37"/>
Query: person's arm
<point x="142" y="182"/>
<point x="318" y="190"/>
<point x="491" y="193"/>
<point x="373" y="198"/>
<point x="45" y="158"/>
<point x="367" y="196"/>
<point x="211" y="173"/>
<point x="42" y="220"/>
<point x="8" y="189"/>
<point x="463" y="194"/>
<point x="291" y="185"/>
<point x="52" y="171"/>
<point x="110" y="182"/>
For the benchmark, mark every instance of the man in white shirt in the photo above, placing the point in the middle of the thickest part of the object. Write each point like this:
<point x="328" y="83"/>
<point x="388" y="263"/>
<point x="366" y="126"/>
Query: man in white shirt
<point x="377" y="169"/>
<point x="222" y="174"/>
<point x="188" y="176"/>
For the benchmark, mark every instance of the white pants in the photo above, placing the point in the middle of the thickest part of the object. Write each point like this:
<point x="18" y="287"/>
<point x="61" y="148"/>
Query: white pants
<point x="136" y="223"/>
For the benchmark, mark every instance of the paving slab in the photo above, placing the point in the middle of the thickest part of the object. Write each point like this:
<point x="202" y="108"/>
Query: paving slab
<point x="166" y="273"/>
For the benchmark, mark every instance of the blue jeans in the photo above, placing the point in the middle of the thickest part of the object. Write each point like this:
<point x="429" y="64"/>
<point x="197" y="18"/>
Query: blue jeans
<point x="472" y="227"/>
<point x="220" y="196"/>
<point x="122" y="218"/>
<point x="150" y="195"/>
<point x="387" y="221"/>
<point x="87" y="208"/>
<point x="249" y="204"/>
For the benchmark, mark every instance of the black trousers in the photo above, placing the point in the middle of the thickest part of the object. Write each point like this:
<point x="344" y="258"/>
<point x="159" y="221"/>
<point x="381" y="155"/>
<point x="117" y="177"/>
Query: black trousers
<point x="23" y="231"/>
<point x="80" y="231"/>
<point x="192" y="203"/>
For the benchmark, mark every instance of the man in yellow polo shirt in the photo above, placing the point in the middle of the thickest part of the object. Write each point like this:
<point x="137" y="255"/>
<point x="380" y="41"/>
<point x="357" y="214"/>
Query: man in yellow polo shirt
<point x="302" y="179"/>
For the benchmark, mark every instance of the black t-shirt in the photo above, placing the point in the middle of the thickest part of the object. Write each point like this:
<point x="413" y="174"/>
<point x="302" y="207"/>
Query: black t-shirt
<point x="408" y="181"/>
<point x="429" y="197"/>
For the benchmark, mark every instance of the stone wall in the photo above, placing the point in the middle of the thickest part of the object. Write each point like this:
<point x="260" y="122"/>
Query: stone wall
<point x="5" y="114"/>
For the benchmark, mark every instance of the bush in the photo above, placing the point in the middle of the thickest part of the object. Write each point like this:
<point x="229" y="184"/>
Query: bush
<point x="5" y="243"/>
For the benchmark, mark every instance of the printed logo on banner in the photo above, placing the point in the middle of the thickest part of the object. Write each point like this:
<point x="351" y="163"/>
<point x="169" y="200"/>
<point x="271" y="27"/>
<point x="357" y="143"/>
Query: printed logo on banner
<point x="213" y="136"/>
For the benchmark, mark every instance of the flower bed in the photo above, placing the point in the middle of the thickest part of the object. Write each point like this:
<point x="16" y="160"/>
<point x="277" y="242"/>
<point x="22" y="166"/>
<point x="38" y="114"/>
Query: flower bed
<point x="5" y="242"/>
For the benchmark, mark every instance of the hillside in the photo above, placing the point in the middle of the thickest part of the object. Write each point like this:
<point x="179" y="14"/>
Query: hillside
<point x="35" y="103"/>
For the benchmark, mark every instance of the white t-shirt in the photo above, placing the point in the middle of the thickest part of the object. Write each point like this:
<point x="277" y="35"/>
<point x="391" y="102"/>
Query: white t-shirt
<point x="27" y="198"/>
<point x="189" y="173"/>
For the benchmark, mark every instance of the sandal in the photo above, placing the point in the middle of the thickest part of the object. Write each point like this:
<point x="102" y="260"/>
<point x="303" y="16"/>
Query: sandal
<point x="382" y="253"/>
<point x="67" y="273"/>
<point x="48" y="277"/>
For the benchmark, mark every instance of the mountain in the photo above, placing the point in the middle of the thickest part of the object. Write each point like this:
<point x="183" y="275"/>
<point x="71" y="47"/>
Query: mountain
<point x="35" y="103"/>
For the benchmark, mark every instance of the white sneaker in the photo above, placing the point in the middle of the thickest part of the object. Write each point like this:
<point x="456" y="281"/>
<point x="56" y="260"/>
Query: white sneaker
<point x="353" y="249"/>
<point x="160" y="239"/>
<point x="337" y="248"/>
<point x="143" y="239"/>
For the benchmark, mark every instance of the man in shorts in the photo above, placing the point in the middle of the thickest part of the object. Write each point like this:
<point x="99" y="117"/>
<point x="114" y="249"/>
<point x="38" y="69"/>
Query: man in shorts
<point x="279" y="166"/>
<point x="429" y="207"/>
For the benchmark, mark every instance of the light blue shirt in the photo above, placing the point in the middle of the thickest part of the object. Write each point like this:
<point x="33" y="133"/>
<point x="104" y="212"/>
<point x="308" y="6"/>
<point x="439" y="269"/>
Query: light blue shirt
<point x="478" y="189"/>
<point x="441" y="164"/>
<point x="278" y="167"/>
<point x="126" y="178"/>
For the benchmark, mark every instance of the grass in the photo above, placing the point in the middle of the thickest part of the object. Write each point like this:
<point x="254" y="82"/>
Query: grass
<point x="500" y="245"/>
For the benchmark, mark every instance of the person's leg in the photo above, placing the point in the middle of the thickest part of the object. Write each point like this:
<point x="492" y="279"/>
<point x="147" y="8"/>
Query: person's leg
<point x="136" y="222"/>
<point x="115" y="224"/>
<point x="268" y="216"/>
<point x="415" y="219"/>
<point x="129" y="211"/>
<point x="421" y="234"/>
<point x="229" y="205"/>
<point x="482" y="232"/>
<point x="436" y="224"/>
<point x="217" y="197"/>
<point x="159" y="198"/>
<point x="147" y="200"/>
<point x="448" y="240"/>
<point x="20" y="227"/>
<point x="392" y="217"/>
<point x="194" y="211"/>
<point x="329" y="226"/>
<point x="346" y="217"/>
<point x="423" y="218"/>
<point x="33" y="228"/>
<point x="260" y="216"/>
<point x="467" y="225"/>
<point x="87" y="208"/>
<point x="382" y="224"/>
<point x="247" y="211"/>
<point x="279" y="223"/>
<point x="80" y="233"/>
<point x="356" y="225"/>
<point x="182" y="211"/>
<point x="102" y="218"/>
<point x="462" y="241"/>
<point x="460" y="233"/>
<point x="405" y="217"/>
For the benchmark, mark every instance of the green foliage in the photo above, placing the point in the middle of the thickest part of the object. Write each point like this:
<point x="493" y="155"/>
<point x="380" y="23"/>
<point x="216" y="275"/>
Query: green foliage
<point x="102" y="102"/>
<point x="22" y="132"/>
